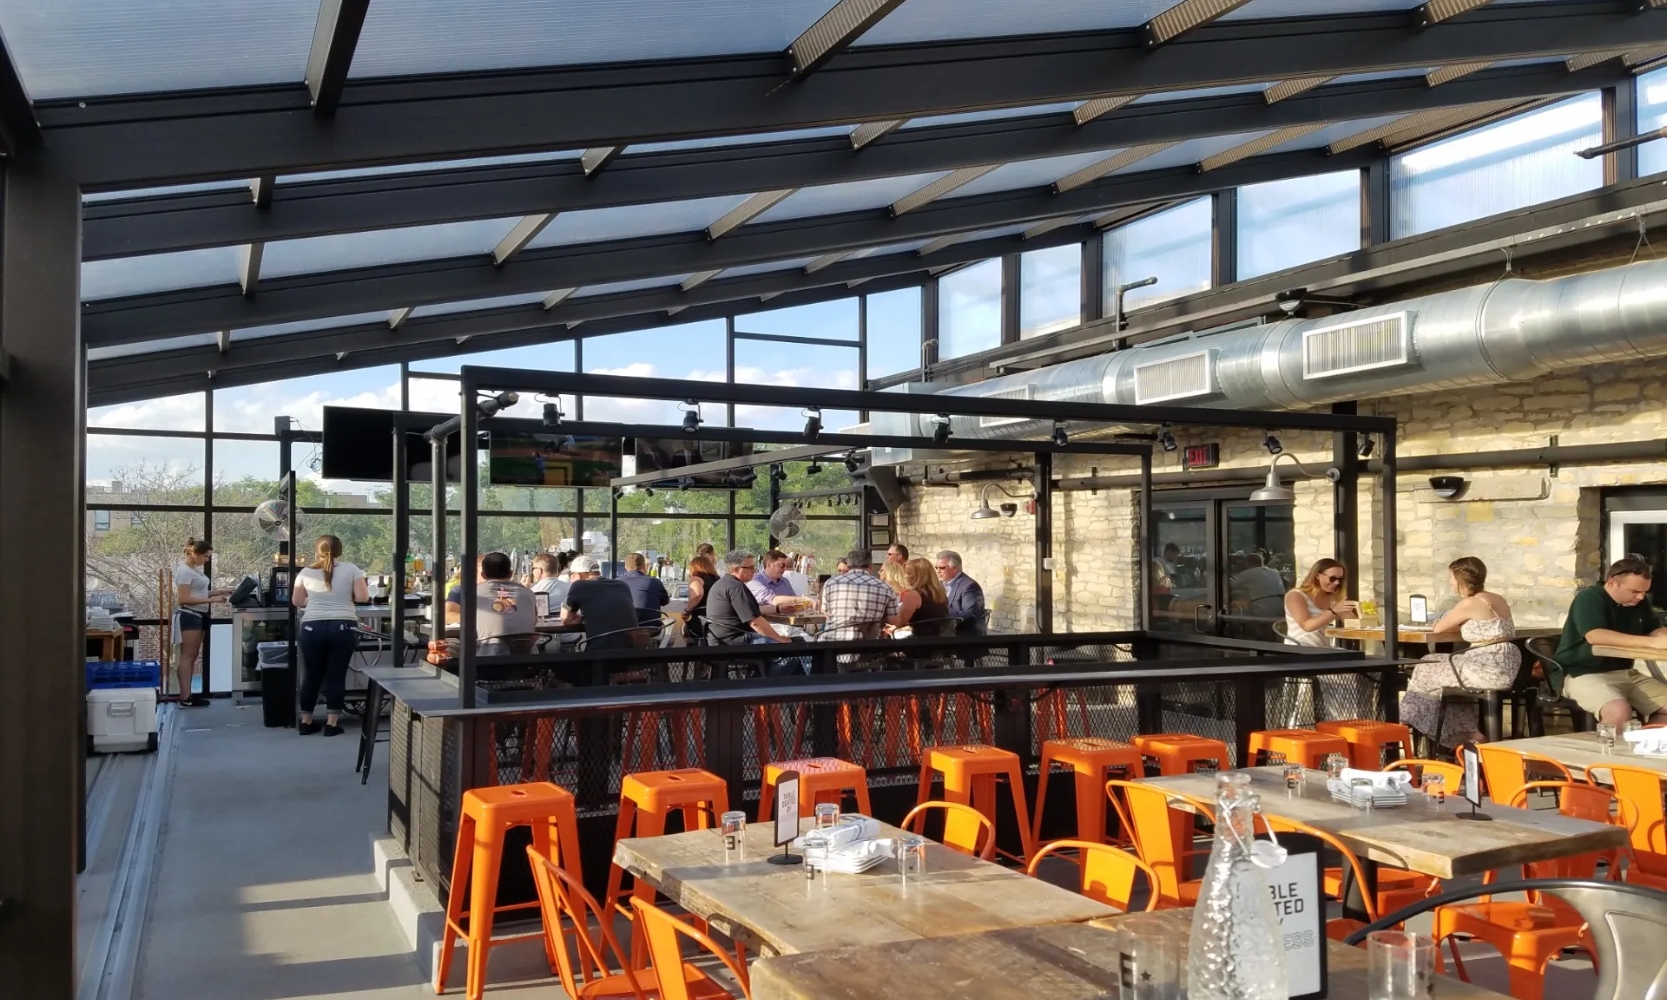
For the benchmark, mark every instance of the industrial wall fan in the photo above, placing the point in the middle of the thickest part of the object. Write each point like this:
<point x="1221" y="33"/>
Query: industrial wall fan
<point x="787" y="522"/>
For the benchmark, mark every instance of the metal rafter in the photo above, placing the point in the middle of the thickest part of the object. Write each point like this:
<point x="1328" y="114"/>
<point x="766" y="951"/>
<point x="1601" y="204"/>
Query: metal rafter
<point x="158" y="224"/>
<point x="134" y="140"/>
<point x="248" y="267"/>
<point x="557" y="297"/>
<point x="1260" y="144"/>
<point x="827" y="260"/>
<point x="699" y="278"/>
<point x="335" y="36"/>
<point x="869" y="132"/>
<point x="397" y="318"/>
<point x="745" y="212"/>
<point x="1436" y="11"/>
<point x="1114" y="162"/>
<point x="833" y="31"/>
<point x="1093" y="108"/>
<point x="260" y="191"/>
<point x="1452" y="71"/>
<point x="940" y="187"/>
<point x="592" y="160"/>
<point x="524" y="232"/>
<point x="1423" y="122"/>
<point x="1187" y="16"/>
<point x="1294" y="86"/>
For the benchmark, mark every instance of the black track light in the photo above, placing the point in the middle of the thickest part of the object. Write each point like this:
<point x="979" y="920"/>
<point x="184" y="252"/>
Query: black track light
<point x="1061" y="439"/>
<point x="940" y="432"/>
<point x="648" y="490"/>
<point x="851" y="463"/>
<point x="1272" y="444"/>
<point x="691" y="417"/>
<point x="1366" y="446"/>
<point x="813" y="423"/>
<point x="1166" y="438"/>
<point x="813" y="468"/>
<point x="552" y="415"/>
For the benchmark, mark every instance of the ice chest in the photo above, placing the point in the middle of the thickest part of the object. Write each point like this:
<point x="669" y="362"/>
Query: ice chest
<point x="120" y="719"/>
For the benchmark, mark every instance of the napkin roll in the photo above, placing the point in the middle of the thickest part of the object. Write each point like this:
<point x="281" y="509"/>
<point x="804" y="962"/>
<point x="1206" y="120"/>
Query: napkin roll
<point x="851" y="828"/>
<point x="1379" y="779"/>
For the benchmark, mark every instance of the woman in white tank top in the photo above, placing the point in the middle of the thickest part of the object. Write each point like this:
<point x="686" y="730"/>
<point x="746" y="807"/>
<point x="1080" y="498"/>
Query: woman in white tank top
<point x="1317" y="603"/>
<point x="327" y="592"/>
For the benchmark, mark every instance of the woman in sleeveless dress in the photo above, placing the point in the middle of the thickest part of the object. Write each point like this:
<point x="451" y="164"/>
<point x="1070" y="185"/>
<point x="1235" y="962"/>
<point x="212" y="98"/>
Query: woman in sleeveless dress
<point x="703" y="573"/>
<point x="1317" y="603"/>
<point x="1483" y="620"/>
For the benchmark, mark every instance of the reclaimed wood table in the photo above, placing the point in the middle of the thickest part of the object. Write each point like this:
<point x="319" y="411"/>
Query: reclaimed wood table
<point x="1582" y="752"/>
<point x="1057" y="961"/>
<point x="775" y="910"/>
<point x="807" y="620"/>
<point x="1424" y="637"/>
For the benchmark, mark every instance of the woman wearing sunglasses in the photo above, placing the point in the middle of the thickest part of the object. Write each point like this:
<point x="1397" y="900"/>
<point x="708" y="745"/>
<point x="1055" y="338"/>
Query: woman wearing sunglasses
<point x="1317" y="604"/>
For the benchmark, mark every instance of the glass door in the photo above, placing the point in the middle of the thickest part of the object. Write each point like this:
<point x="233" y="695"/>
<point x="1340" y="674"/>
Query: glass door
<point x="1642" y="533"/>
<point x="1220" y="565"/>
<point x="1183" y="568"/>
<point x="1259" y="546"/>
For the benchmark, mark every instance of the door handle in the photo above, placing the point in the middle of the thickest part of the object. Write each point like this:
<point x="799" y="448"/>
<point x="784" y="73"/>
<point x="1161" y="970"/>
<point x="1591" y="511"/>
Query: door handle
<point x="1198" y="615"/>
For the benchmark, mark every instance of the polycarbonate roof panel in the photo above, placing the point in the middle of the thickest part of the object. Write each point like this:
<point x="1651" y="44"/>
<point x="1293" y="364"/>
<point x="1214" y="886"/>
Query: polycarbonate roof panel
<point x="1257" y="9"/>
<point x="852" y="196"/>
<point x="1332" y="133"/>
<point x="627" y="221"/>
<point x="158" y="272"/>
<point x="636" y="285"/>
<point x="713" y="141"/>
<point x="158" y="192"/>
<point x="1187" y="95"/>
<point x="412" y="168"/>
<point x="495" y="302"/>
<point x="78" y="48"/>
<point x="1185" y="154"/>
<point x="937" y="20"/>
<point x="1382" y="74"/>
<point x="992" y="114"/>
<point x="445" y="36"/>
<point x="151" y="346"/>
<point x="889" y="249"/>
<point x="1030" y="173"/>
<point x="308" y="325"/>
<point x="372" y="248"/>
<point x="774" y="265"/>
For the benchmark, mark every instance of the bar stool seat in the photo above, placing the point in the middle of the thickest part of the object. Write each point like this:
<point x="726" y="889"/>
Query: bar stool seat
<point x="1367" y="739"/>
<point x="1300" y="746"/>
<point x="646" y="798"/>
<point x="487" y="815"/>
<point x="1090" y="758"/>
<point x="1179" y="753"/>
<point x="969" y="774"/>
<point x="821" y="779"/>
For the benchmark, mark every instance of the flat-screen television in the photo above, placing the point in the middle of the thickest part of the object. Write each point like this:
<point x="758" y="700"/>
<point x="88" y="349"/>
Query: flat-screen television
<point x="551" y="458"/>
<point x="669" y="455"/>
<point x="359" y="444"/>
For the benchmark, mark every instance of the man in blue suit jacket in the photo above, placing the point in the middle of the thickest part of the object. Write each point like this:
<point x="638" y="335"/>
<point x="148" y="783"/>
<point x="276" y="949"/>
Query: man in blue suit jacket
<point x="966" y="597"/>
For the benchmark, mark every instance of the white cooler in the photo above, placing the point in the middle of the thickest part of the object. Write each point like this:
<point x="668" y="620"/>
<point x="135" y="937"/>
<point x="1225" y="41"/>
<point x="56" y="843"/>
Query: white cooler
<point x="121" y="719"/>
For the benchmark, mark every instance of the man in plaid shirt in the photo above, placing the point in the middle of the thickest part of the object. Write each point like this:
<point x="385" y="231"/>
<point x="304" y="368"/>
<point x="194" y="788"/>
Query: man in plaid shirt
<point x="858" y="597"/>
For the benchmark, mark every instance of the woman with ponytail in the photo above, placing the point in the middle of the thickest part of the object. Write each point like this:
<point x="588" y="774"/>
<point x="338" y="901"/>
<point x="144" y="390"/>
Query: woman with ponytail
<point x="327" y="592"/>
<point x="194" y="604"/>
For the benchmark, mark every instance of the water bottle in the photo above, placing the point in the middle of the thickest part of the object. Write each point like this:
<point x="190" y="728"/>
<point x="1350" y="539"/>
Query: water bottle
<point x="1236" y="951"/>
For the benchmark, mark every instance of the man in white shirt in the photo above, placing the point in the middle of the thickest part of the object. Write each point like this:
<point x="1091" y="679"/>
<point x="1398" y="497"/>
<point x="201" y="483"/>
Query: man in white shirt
<point x="548" y="579"/>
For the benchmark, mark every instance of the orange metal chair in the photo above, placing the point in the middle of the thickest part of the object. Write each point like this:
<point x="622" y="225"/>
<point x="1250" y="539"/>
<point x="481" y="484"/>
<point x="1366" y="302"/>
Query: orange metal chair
<point x="1530" y="934"/>
<point x="647" y="798"/>
<point x="1337" y="928"/>
<point x="969" y="777"/>
<point x="677" y="979"/>
<point x="487" y="815"/>
<point x="1162" y="837"/>
<point x="1180" y="753"/>
<point x="1091" y="759"/>
<point x="1452" y="775"/>
<point x="1506" y="770"/>
<point x="1642" y="789"/>
<point x="965" y="829"/>
<point x="1300" y="746"/>
<point x="821" y="779"/>
<point x="1108" y="873"/>
<point x="1368" y="739"/>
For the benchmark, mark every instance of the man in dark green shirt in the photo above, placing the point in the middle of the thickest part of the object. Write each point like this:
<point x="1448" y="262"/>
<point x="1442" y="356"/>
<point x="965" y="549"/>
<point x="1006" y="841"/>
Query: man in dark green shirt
<point x="1615" y="614"/>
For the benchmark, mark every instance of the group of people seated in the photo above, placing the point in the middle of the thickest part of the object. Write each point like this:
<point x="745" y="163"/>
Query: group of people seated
<point x="1615" y="612"/>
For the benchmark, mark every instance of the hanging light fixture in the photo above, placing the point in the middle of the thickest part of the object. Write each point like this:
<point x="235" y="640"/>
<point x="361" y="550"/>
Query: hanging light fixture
<point x="552" y="414"/>
<point x="813" y="423"/>
<point x="985" y="511"/>
<point x="691" y="416"/>
<point x="940" y="432"/>
<point x="1061" y="439"/>
<point x="1366" y="446"/>
<point x="1166" y="438"/>
<point x="1272" y="444"/>
<point x="1274" y="491"/>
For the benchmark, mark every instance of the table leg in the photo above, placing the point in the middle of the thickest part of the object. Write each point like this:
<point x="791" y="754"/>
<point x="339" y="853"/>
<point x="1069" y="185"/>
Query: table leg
<point x="1355" y="894"/>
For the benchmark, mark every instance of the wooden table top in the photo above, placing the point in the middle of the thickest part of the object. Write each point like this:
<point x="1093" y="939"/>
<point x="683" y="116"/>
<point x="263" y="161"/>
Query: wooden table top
<point x="1058" y="961"/>
<point x="1417" y="836"/>
<point x="1580" y="752"/>
<point x="774" y="909"/>
<point x="1630" y="652"/>
<point x="799" y="618"/>
<point x="1424" y="637"/>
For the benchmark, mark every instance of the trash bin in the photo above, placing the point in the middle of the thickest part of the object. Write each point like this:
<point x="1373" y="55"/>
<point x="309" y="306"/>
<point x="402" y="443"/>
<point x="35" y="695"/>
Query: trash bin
<point x="277" y="685"/>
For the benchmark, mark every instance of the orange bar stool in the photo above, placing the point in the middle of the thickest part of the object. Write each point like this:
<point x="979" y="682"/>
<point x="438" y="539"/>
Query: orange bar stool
<point x="1367" y="739"/>
<point x="1091" y="759"/>
<point x="1300" y="746"/>
<point x="1179" y="753"/>
<point x="969" y="774"/>
<point x="821" y="779"/>
<point x="648" y="797"/>
<point x="489" y="813"/>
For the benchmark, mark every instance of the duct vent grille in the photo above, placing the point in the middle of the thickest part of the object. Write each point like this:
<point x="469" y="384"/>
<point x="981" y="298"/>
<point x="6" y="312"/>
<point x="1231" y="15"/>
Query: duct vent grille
<point x="1017" y="392"/>
<point x="1364" y="345"/>
<point x="1175" y="378"/>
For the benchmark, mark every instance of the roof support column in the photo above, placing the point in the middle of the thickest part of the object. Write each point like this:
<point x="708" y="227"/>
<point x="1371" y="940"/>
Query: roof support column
<point x="1010" y="289"/>
<point x="1043" y="485"/>
<point x="1224" y="253"/>
<point x="1620" y="121"/>
<point x="1374" y="203"/>
<point x="1094" y="278"/>
<point x="42" y="690"/>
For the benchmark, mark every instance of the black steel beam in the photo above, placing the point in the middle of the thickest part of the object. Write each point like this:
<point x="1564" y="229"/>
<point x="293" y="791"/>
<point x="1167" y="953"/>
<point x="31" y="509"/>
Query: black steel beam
<point x="161" y="223"/>
<point x="18" y="127"/>
<point x="335" y="37"/>
<point x="130" y="141"/>
<point x="136" y="318"/>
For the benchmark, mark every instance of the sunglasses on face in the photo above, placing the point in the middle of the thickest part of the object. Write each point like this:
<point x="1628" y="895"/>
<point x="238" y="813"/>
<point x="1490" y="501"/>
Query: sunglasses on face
<point x="1333" y="577"/>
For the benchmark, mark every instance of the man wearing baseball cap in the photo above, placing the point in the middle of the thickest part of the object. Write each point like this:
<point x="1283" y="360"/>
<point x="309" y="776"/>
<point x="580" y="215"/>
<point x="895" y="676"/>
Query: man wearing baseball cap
<point x="604" y="607"/>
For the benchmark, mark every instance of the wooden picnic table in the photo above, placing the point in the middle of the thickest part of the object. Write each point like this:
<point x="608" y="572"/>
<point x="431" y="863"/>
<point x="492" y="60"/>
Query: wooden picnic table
<point x="802" y="619"/>
<point x="1422" y="637"/>
<point x="1058" y="961"/>
<point x="1649" y="654"/>
<point x="775" y="910"/>
<point x="1581" y="752"/>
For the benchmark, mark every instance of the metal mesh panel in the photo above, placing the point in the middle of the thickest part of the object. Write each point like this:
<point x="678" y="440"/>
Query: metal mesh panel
<point x="436" y="795"/>
<point x="1203" y="708"/>
<point x="400" y="775"/>
<point x="1106" y="711"/>
<point x="1290" y="700"/>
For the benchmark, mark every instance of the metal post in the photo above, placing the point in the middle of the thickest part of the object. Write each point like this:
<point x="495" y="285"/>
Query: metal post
<point x="1389" y="607"/>
<point x="469" y="504"/>
<point x="613" y="530"/>
<point x="928" y="328"/>
<point x="208" y="533"/>
<point x="1093" y="278"/>
<point x="42" y="608"/>
<point x="1374" y="203"/>
<point x="402" y="537"/>
<point x="404" y="386"/>
<point x="729" y="368"/>
<point x="291" y="499"/>
<point x="1044" y="541"/>
<point x="862" y="349"/>
<point x="1620" y="121"/>
<point x="1345" y="494"/>
<point x="775" y="501"/>
<point x="1224" y="260"/>
<point x="1010" y="289"/>
<point x="1143" y="528"/>
<point x="437" y="530"/>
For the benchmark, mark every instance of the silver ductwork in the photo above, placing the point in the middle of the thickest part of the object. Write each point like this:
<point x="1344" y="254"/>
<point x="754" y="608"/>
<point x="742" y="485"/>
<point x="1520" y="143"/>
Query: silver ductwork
<point x="1510" y="330"/>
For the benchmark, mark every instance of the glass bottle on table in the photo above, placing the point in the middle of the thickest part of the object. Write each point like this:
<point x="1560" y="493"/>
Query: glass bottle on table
<point x="1236" y="950"/>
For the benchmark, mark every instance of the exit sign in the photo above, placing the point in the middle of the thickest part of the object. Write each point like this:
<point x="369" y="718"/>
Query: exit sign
<point x="1201" y="456"/>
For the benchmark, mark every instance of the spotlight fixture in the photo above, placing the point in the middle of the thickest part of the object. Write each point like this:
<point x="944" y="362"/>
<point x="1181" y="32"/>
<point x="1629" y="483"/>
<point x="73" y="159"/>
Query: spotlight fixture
<point x="1060" y="438"/>
<point x="778" y="473"/>
<point x="649" y="490"/>
<point x="940" y="432"/>
<point x="813" y="468"/>
<point x="851" y="462"/>
<point x="685" y="482"/>
<point x="552" y="415"/>
<point x="1166" y="438"/>
<point x="1272" y="444"/>
<point x="813" y="423"/>
<point x="691" y="416"/>
<point x="1366" y="446"/>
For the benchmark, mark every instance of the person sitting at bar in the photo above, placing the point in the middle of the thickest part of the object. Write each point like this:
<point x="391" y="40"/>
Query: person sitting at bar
<point x="549" y="577"/>
<point x="841" y="567"/>
<point x="502" y="606"/>
<point x="896" y="576"/>
<point x="1618" y="613"/>
<point x="934" y="600"/>
<point x="733" y="619"/>
<point x="1490" y="663"/>
<point x="703" y="573"/>
<point x="898" y="554"/>
<point x="1317" y="603"/>
<point x="648" y="594"/>
<point x="1258" y="589"/>
<point x="770" y="586"/>
<point x="858" y="603"/>
<point x="966" y="597"/>
<point x="605" y="607"/>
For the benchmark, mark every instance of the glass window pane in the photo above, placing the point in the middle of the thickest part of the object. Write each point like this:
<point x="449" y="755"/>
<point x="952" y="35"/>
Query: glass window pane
<point x="250" y="408"/>
<point x="135" y="557"/>
<point x="686" y="351"/>
<point x="1520" y="161"/>
<point x="1652" y="114"/>
<point x="623" y="222"/>
<point x="829" y="474"/>
<point x="370" y="248"/>
<point x="1050" y="290"/>
<point x="158" y="272"/>
<point x="433" y="395"/>
<point x="139" y="467"/>
<point x="1286" y="223"/>
<point x="164" y="413"/>
<point x="893" y="332"/>
<point x="245" y="472"/>
<point x="936" y="20"/>
<point x="1172" y="246"/>
<point x="969" y="310"/>
<point x="836" y="320"/>
<point x="765" y="363"/>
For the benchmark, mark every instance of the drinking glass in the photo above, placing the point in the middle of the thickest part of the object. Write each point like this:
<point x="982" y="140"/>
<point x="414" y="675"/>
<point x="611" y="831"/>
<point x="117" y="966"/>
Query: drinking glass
<point x="1274" y="758"/>
<point x="1632" y="726"/>
<point x="1606" y="736"/>
<point x="1334" y="764"/>
<point x="734" y="827"/>
<point x="816" y="855"/>
<point x="1435" y="790"/>
<point x="1360" y="794"/>
<point x="1148" y="964"/>
<point x="911" y="857"/>
<point x="1204" y="767"/>
<point x="1294" y="774"/>
<point x="1399" y="966"/>
<point x="827" y="815"/>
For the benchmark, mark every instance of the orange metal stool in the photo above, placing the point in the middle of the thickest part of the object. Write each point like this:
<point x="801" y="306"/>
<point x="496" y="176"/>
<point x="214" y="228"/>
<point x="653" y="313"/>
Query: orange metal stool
<point x="648" y="797"/>
<point x="1367" y="739"/>
<point x="1300" y="746"/>
<point x="969" y="774"/>
<point x="821" y="779"/>
<point x="488" y="813"/>
<point x="1091" y="758"/>
<point x="1176" y="753"/>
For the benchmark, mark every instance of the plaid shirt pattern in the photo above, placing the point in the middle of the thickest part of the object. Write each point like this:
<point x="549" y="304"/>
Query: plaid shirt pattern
<point x="856" y="597"/>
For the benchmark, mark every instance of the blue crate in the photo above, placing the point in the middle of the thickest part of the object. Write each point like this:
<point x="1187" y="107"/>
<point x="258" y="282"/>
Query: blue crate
<point x="124" y="674"/>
